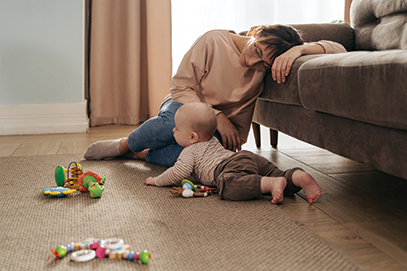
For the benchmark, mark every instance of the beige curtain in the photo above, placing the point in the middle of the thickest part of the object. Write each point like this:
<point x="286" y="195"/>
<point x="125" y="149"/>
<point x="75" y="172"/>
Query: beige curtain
<point x="130" y="59"/>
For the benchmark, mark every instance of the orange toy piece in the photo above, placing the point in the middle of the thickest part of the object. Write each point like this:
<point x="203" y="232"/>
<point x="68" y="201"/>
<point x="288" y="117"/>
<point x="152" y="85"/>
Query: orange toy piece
<point x="98" y="179"/>
<point x="91" y="182"/>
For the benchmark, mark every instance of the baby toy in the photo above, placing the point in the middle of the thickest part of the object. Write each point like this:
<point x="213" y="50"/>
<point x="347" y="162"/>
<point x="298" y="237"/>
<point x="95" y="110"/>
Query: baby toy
<point x="58" y="191"/>
<point x="78" y="180"/>
<point x="92" y="183"/>
<point x="83" y="255"/>
<point x="189" y="190"/>
<point x="91" y="248"/>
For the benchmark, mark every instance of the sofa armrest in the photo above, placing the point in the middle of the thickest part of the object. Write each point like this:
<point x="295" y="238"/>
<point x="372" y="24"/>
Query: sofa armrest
<point x="339" y="32"/>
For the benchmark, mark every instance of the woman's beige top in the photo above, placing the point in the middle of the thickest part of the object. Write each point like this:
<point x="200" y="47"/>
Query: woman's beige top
<point x="210" y="73"/>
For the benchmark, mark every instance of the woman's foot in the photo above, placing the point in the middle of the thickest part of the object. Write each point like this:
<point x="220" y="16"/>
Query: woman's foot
<point x="275" y="186"/>
<point x="105" y="149"/>
<point x="308" y="184"/>
<point x="142" y="155"/>
<point x="136" y="155"/>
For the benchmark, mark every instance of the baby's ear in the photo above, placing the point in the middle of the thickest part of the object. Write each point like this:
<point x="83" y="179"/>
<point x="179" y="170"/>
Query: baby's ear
<point x="193" y="137"/>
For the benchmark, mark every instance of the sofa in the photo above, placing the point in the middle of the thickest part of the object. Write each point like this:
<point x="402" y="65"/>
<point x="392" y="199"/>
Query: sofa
<point x="353" y="104"/>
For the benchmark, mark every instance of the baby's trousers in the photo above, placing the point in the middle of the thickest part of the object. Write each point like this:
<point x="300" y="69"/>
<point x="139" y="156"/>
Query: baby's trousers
<point x="238" y="177"/>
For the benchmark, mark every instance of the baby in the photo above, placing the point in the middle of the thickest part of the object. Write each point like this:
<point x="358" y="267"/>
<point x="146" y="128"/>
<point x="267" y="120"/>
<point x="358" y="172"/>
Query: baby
<point x="239" y="175"/>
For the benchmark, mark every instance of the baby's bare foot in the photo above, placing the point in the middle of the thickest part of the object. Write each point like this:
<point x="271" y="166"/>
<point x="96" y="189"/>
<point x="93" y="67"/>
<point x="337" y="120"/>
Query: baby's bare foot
<point x="308" y="184"/>
<point x="275" y="186"/>
<point x="278" y="185"/>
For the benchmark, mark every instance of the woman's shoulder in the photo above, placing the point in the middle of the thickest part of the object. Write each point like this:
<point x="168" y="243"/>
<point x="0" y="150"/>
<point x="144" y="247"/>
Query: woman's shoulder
<point x="217" y="34"/>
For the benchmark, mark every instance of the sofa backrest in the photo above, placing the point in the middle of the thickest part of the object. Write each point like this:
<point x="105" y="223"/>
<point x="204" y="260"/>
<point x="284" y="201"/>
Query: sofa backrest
<point x="339" y="32"/>
<point x="379" y="24"/>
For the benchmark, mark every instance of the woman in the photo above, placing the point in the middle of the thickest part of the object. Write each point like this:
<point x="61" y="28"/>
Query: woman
<point x="226" y="71"/>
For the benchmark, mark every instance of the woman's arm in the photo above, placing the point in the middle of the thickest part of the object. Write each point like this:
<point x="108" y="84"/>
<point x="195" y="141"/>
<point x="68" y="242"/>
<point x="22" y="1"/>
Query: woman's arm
<point x="229" y="133"/>
<point x="190" y="72"/>
<point x="282" y="64"/>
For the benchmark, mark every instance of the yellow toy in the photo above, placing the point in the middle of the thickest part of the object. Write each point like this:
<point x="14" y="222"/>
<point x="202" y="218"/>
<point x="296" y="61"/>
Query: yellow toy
<point x="62" y="175"/>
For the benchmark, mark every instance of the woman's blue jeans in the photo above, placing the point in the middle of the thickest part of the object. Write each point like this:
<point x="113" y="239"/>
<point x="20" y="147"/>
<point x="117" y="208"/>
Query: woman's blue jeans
<point x="156" y="135"/>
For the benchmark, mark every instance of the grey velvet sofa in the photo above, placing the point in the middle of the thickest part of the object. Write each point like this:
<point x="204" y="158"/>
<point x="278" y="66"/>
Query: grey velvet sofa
<point x="353" y="104"/>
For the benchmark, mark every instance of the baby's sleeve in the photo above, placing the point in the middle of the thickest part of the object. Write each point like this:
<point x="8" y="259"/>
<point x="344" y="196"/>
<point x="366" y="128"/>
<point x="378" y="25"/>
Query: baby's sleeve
<point x="182" y="169"/>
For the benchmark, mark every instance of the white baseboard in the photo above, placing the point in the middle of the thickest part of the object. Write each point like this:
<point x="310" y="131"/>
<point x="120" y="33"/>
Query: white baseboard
<point x="43" y="119"/>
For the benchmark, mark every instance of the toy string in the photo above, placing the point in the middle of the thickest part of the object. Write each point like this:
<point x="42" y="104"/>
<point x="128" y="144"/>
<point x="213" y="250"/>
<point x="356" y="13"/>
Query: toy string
<point x="69" y="167"/>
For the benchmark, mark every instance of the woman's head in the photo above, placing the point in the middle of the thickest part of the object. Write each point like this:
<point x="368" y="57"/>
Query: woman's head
<point x="194" y="122"/>
<point x="268" y="42"/>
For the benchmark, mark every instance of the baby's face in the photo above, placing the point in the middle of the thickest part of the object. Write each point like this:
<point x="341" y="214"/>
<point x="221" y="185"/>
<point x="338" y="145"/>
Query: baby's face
<point x="182" y="131"/>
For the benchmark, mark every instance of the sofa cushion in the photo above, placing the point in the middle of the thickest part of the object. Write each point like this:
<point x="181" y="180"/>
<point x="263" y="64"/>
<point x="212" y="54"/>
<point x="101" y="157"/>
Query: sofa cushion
<point x="361" y="85"/>
<point x="286" y="93"/>
<point x="379" y="25"/>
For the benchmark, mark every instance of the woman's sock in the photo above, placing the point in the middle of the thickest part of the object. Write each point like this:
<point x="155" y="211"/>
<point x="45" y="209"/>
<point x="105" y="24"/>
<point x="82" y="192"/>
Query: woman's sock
<point x="103" y="149"/>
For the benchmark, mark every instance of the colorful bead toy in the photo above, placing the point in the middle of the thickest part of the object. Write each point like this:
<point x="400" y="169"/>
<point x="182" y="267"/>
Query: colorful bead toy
<point x="86" y="250"/>
<point x="73" y="178"/>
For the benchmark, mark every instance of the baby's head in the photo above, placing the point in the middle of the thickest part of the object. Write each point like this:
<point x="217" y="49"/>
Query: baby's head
<point x="194" y="122"/>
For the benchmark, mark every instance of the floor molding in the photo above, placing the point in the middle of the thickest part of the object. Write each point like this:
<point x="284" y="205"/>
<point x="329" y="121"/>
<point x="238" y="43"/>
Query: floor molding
<point x="44" y="119"/>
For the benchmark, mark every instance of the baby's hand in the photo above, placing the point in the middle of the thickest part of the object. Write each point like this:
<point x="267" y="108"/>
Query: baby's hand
<point x="150" y="181"/>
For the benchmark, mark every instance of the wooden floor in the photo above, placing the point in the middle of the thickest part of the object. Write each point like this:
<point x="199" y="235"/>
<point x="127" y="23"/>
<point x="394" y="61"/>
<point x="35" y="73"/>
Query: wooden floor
<point x="362" y="212"/>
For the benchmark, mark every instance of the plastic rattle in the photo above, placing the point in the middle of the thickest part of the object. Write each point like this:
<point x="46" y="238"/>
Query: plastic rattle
<point x="189" y="190"/>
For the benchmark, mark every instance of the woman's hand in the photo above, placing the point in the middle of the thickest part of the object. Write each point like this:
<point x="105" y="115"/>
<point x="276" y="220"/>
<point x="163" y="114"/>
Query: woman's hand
<point x="150" y="181"/>
<point x="228" y="132"/>
<point x="282" y="64"/>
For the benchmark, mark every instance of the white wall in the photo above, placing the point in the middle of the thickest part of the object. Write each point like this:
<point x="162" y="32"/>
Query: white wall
<point x="41" y="66"/>
<point x="192" y="18"/>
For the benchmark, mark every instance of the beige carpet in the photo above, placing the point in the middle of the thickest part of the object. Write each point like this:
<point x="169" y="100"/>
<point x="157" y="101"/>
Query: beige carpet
<point x="181" y="233"/>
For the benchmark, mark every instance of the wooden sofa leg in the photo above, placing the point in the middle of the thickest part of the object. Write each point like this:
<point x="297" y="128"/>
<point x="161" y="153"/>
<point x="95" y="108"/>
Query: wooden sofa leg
<point x="256" y="133"/>
<point x="273" y="138"/>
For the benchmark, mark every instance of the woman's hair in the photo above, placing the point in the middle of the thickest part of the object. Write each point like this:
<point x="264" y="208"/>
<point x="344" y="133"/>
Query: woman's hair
<point x="278" y="38"/>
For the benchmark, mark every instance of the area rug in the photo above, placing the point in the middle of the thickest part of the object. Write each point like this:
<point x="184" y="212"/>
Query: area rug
<point x="180" y="233"/>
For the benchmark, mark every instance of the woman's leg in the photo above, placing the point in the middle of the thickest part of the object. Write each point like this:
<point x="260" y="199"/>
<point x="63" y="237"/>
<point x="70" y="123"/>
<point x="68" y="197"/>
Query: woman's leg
<point x="166" y="156"/>
<point x="154" y="133"/>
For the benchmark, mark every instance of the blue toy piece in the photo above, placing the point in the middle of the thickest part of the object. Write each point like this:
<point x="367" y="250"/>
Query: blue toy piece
<point x="58" y="191"/>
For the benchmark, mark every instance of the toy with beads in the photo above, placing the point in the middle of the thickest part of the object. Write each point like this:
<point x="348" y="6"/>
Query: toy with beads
<point x="73" y="178"/>
<point x="62" y="177"/>
<point x="88" y="249"/>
